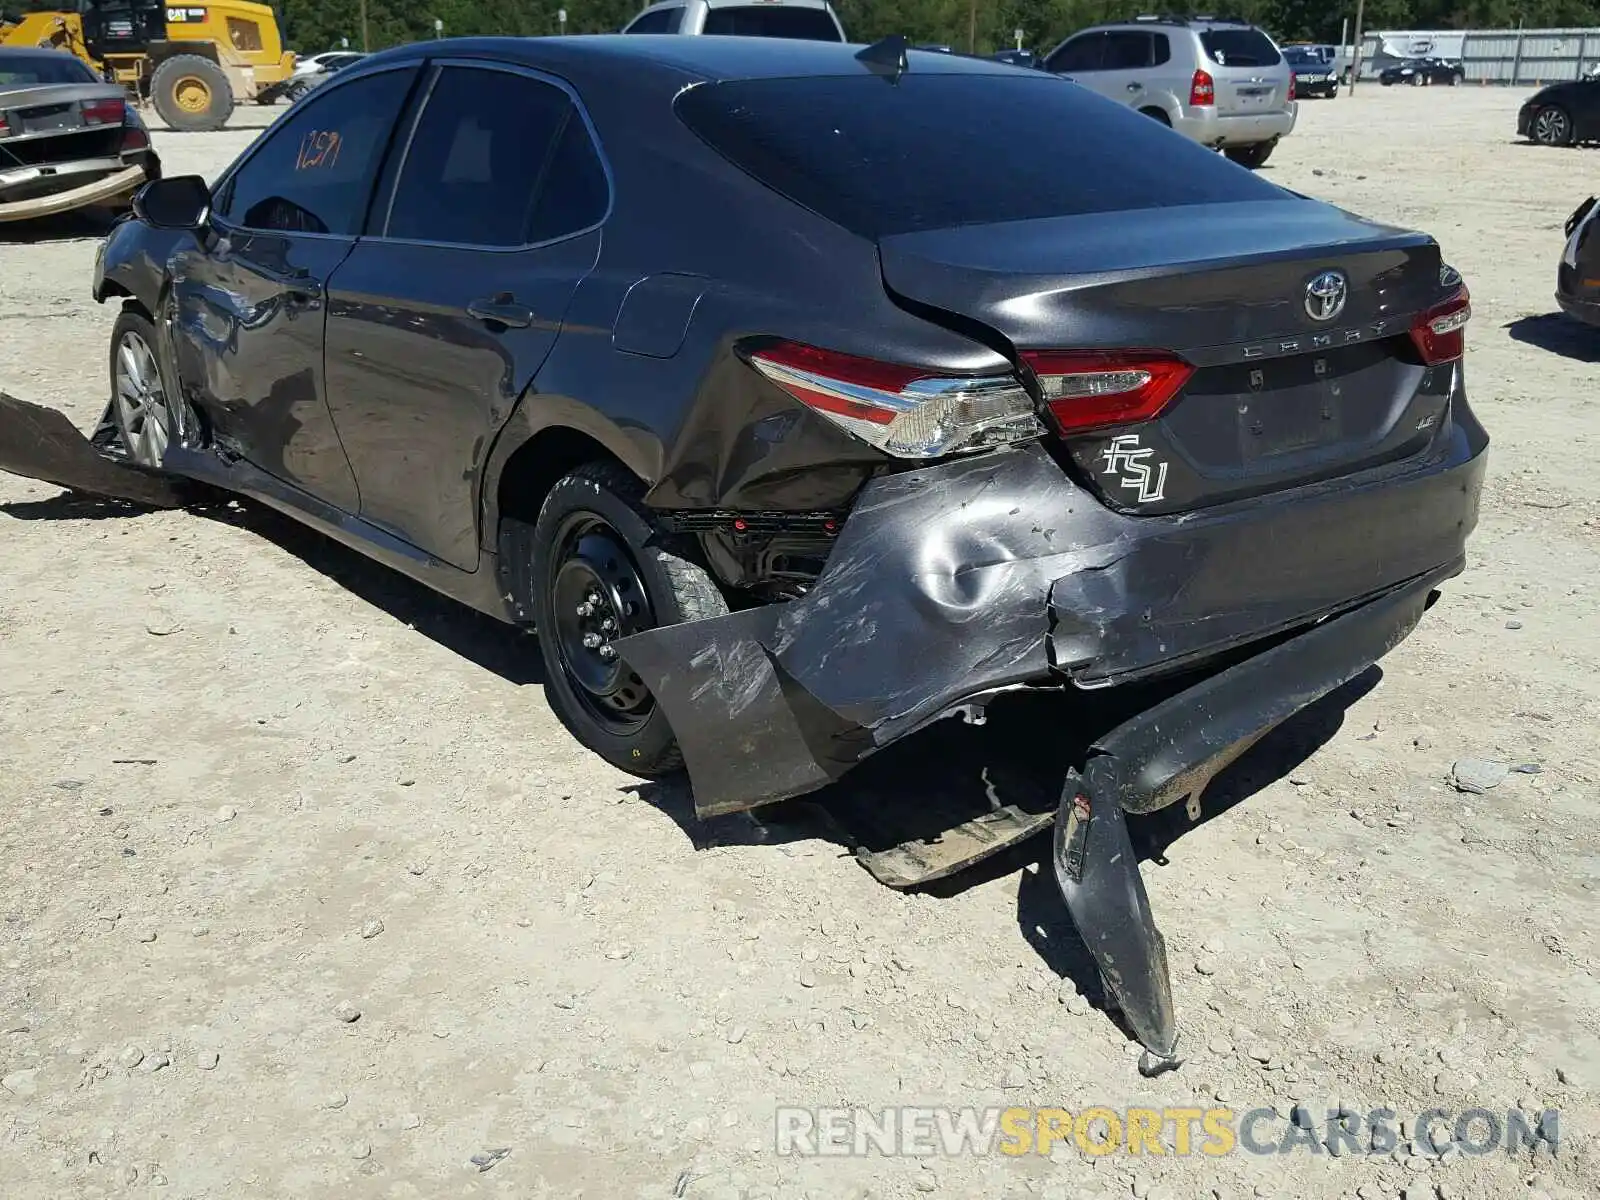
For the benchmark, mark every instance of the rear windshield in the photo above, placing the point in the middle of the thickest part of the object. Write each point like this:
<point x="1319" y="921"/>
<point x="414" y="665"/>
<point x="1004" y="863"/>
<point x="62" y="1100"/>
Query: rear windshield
<point x="1239" y="48"/>
<point x="936" y="151"/>
<point x="768" y="20"/>
<point x="23" y="70"/>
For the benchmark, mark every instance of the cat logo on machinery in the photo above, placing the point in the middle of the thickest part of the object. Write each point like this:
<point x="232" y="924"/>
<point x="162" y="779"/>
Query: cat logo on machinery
<point x="185" y="16"/>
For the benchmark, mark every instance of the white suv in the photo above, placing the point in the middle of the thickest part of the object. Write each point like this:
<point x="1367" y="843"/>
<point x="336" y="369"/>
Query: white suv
<point x="1222" y="83"/>
<point x="807" y="20"/>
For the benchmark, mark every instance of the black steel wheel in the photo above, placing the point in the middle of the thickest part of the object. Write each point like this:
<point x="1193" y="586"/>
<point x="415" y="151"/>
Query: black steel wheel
<point x="599" y="572"/>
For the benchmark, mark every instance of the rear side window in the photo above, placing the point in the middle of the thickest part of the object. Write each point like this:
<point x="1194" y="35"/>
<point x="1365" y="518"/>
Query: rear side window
<point x="936" y="151"/>
<point x="1163" y="48"/>
<point x="494" y="155"/>
<point x="1239" y="48"/>
<point x="1127" y="51"/>
<point x="662" y="20"/>
<point x="767" y="20"/>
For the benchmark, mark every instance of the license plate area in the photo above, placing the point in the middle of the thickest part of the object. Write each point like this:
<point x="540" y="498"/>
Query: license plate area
<point x="50" y="118"/>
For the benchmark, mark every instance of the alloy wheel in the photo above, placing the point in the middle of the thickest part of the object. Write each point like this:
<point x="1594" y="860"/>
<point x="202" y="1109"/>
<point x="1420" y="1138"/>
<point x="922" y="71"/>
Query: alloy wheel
<point x="1550" y="127"/>
<point x="141" y="400"/>
<point x="597" y="597"/>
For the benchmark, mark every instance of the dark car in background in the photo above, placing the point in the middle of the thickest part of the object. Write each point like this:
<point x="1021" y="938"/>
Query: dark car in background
<point x="694" y="355"/>
<point x="805" y="20"/>
<point x="1016" y="58"/>
<point x="1419" y="72"/>
<point x="1578" y="275"/>
<point x="1313" y="75"/>
<point x="68" y="139"/>
<point x="1563" y="114"/>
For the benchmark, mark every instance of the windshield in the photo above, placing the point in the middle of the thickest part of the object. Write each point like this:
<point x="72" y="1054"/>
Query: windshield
<point x="1239" y="48"/>
<point x="24" y="70"/>
<point x="934" y="151"/>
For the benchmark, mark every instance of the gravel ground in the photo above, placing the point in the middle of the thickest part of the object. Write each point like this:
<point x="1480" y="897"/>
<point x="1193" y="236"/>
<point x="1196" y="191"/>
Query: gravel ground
<point x="253" y="786"/>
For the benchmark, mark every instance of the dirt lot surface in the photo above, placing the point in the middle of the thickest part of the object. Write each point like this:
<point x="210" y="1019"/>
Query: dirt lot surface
<point x="247" y="778"/>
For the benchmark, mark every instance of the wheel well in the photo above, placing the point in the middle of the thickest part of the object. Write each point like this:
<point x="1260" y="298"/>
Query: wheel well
<point x="1159" y="114"/>
<point x="536" y="465"/>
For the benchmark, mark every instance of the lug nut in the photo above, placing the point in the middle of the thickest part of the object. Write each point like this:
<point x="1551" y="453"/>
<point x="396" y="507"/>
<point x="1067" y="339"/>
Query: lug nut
<point x="591" y="640"/>
<point x="607" y="653"/>
<point x="608" y="625"/>
<point x="585" y="609"/>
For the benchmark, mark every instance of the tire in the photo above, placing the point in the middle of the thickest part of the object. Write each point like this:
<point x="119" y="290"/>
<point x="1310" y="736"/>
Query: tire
<point x="192" y="94"/>
<point x="1552" y="126"/>
<point x="1416" y="81"/>
<point x="1156" y="114"/>
<point x="593" y="536"/>
<point x="140" y="398"/>
<point x="1252" y="156"/>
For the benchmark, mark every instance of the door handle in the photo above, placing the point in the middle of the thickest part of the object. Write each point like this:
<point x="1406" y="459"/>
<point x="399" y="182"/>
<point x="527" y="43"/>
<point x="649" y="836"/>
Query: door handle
<point x="502" y="310"/>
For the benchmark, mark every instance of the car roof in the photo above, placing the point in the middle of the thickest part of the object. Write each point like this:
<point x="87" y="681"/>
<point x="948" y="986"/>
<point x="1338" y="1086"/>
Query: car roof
<point x="704" y="58"/>
<point x="37" y="52"/>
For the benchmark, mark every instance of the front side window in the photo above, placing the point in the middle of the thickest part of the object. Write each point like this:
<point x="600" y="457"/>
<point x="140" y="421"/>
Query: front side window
<point x="314" y="170"/>
<point x="497" y="160"/>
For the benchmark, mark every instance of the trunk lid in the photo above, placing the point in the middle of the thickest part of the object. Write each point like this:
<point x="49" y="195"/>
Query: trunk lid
<point x="1278" y="397"/>
<point x="47" y="110"/>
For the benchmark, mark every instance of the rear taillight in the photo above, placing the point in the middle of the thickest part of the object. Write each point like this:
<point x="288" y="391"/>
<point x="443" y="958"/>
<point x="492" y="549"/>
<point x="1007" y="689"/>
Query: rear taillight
<point x="910" y="412"/>
<point x="1202" y="90"/>
<point x="1093" y="389"/>
<point x="135" y="137"/>
<point x="5" y="128"/>
<point x="1291" y="85"/>
<point x="1440" y="333"/>
<point x="104" y="112"/>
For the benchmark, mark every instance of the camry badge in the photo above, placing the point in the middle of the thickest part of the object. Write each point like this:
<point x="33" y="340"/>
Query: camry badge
<point x="1325" y="295"/>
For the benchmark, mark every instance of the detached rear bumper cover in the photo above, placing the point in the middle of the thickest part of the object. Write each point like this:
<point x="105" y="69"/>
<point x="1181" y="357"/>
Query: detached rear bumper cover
<point x="110" y="187"/>
<point x="982" y="573"/>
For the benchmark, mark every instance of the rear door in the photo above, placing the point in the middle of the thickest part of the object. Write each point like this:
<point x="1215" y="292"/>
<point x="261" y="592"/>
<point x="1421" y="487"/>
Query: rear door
<point x="249" y="307"/>
<point x="440" y="317"/>
<point x="1250" y="75"/>
<point x="1126" y="67"/>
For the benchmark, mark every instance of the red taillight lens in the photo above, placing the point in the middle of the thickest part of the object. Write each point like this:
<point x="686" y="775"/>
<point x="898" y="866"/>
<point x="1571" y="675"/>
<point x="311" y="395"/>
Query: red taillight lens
<point x="1440" y="333"/>
<point x="135" y="138"/>
<point x="1094" y="389"/>
<point x="104" y="112"/>
<point x="1202" y="90"/>
<point x="1291" y="85"/>
<point x="910" y="412"/>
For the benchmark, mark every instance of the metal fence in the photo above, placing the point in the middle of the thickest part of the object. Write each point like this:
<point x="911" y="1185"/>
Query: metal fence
<point x="1527" y="57"/>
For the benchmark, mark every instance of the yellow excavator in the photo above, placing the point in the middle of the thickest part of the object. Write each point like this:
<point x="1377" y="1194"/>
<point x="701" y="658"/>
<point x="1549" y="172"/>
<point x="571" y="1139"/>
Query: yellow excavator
<point x="194" y="63"/>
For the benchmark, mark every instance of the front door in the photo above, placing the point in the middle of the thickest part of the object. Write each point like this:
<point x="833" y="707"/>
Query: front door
<point x="248" y="309"/>
<point x="438" y="321"/>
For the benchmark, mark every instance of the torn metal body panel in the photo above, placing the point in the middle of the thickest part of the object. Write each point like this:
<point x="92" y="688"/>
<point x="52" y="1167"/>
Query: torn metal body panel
<point x="42" y="443"/>
<point x="983" y="572"/>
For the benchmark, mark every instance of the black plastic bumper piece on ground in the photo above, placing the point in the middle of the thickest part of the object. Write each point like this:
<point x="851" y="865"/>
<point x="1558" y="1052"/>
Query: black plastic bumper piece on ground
<point x="41" y="443"/>
<point x="1171" y="751"/>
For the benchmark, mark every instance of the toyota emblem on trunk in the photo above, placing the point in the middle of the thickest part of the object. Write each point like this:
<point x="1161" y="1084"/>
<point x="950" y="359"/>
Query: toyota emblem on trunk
<point x="1325" y="296"/>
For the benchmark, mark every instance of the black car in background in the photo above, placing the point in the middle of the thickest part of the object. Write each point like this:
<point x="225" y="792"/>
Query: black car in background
<point x="695" y="355"/>
<point x="1578" y="275"/>
<point x="1420" y="71"/>
<point x="1313" y="75"/>
<point x="1562" y="114"/>
<point x="1016" y="58"/>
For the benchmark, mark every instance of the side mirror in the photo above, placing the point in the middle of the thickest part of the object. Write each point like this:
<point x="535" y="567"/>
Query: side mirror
<point x="175" y="202"/>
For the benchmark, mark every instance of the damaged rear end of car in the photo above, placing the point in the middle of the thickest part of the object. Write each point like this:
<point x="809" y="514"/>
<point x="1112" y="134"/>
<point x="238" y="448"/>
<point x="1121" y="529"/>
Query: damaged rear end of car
<point x="68" y="140"/>
<point x="1233" y="452"/>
